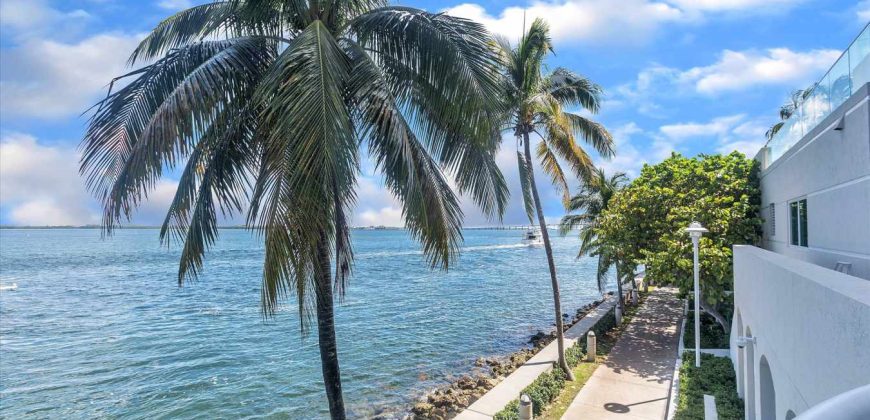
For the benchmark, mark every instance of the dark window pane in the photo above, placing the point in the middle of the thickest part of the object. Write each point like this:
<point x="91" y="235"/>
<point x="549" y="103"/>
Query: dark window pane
<point x="793" y="216"/>
<point x="802" y="210"/>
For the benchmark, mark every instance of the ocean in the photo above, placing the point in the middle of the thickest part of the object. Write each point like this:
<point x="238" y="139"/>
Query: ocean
<point x="98" y="328"/>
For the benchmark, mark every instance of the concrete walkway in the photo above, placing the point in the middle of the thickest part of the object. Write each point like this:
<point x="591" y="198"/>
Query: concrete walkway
<point x="635" y="381"/>
<point x="509" y="389"/>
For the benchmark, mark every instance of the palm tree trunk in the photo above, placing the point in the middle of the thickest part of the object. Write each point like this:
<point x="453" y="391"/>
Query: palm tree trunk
<point x="557" y="303"/>
<point x="326" y="332"/>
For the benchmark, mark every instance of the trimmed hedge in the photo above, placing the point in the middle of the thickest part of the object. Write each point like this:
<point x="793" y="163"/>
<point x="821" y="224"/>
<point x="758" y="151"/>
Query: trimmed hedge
<point x="712" y="334"/>
<point x="715" y="377"/>
<point x="547" y="387"/>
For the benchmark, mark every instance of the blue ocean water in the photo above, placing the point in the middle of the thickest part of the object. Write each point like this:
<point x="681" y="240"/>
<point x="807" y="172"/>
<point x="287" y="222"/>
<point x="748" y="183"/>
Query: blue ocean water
<point x="99" y="329"/>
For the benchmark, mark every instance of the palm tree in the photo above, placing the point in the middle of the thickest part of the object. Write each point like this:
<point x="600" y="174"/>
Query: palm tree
<point x="788" y="109"/>
<point x="535" y="106"/>
<point x="267" y="104"/>
<point x="588" y="205"/>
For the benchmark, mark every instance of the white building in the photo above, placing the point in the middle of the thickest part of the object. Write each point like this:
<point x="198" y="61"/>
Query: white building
<point x="803" y="301"/>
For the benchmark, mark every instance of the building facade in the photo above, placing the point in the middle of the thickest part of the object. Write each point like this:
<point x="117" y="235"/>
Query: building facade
<point x="801" y="328"/>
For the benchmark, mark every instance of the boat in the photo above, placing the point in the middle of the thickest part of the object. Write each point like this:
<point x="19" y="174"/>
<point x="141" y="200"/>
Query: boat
<point x="12" y="286"/>
<point x="532" y="237"/>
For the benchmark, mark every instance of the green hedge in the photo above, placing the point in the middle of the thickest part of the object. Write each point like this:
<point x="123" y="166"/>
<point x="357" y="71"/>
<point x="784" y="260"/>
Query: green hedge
<point x="715" y="377"/>
<point x="547" y="387"/>
<point x="712" y="334"/>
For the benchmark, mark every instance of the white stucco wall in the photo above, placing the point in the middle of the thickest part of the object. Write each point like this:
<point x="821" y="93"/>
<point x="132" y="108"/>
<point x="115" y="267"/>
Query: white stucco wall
<point x="831" y="169"/>
<point x="811" y="324"/>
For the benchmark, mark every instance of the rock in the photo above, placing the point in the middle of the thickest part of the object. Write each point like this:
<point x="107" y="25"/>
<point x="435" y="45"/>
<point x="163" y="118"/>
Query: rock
<point x="486" y="383"/>
<point x="422" y="408"/>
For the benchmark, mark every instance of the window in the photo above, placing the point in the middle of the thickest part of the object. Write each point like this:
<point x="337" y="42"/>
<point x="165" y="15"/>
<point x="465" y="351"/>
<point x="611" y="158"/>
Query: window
<point x="798" y="222"/>
<point x="772" y="217"/>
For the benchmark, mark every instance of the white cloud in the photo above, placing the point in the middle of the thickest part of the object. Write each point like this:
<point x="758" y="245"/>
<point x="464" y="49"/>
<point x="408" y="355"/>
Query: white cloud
<point x="732" y="132"/>
<point x="40" y="185"/>
<point x="734" y="5"/>
<point x="715" y="127"/>
<point x="594" y="21"/>
<point x="175" y="4"/>
<point x="49" y="79"/>
<point x="375" y="205"/>
<point x="862" y="11"/>
<point x="628" y="158"/>
<point x="29" y="17"/>
<point x="738" y="70"/>
<point x="604" y="22"/>
<point x="733" y="71"/>
<point x="387" y="216"/>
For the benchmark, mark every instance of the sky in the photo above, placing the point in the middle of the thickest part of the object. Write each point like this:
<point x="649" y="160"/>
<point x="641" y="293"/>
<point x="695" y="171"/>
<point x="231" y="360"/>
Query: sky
<point x="691" y="76"/>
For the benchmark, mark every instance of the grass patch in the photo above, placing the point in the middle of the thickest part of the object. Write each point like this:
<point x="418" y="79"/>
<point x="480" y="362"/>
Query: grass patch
<point x="712" y="334"/>
<point x="714" y="377"/>
<point x="551" y="394"/>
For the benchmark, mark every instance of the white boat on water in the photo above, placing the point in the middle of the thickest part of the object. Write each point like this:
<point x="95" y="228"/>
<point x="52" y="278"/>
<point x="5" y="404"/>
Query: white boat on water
<point x="532" y="237"/>
<point x="12" y="286"/>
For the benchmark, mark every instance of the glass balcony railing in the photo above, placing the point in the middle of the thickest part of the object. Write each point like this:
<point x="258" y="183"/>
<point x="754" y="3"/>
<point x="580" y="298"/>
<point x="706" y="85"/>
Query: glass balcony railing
<point x="850" y="72"/>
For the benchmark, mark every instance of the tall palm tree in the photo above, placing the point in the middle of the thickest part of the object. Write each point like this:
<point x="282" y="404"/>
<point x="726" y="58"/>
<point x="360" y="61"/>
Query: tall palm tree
<point x="584" y="210"/>
<point x="266" y="105"/>
<point x="536" y="103"/>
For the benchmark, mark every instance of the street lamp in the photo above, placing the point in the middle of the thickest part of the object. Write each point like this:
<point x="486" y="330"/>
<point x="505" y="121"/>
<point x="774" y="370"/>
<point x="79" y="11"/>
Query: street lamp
<point x="695" y="230"/>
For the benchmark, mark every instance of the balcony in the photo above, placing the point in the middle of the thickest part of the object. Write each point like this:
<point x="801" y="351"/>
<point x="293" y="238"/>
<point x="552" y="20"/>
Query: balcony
<point x="849" y="72"/>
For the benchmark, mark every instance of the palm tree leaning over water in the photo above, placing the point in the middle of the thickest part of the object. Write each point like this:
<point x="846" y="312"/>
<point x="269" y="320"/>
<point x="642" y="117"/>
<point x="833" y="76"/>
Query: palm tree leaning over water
<point x="536" y="104"/>
<point x="266" y="105"/>
<point x="587" y="206"/>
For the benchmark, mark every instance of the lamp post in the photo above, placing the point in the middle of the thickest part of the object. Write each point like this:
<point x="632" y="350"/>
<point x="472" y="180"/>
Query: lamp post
<point x="695" y="230"/>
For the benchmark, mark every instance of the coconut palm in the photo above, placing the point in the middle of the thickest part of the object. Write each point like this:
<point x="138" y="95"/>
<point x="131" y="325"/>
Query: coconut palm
<point x="264" y="107"/>
<point x="536" y="103"/>
<point x="584" y="210"/>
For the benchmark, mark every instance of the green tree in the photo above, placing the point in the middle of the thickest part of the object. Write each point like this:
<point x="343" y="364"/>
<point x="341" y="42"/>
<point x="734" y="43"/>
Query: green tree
<point x="584" y="211"/>
<point x="266" y="106"/>
<point x="645" y="222"/>
<point x="536" y="105"/>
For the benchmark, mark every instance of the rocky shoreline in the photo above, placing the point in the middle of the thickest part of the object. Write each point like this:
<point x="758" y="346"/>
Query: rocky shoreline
<point x="448" y="400"/>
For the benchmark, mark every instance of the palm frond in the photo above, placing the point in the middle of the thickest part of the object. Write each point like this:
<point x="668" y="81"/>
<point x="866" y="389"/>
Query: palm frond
<point x="430" y="208"/>
<point x="217" y="170"/>
<point x="439" y="68"/>
<point x="571" y="89"/>
<point x="310" y="162"/>
<point x="189" y="25"/>
<point x="551" y="167"/>
<point x="155" y="120"/>
<point x="593" y="133"/>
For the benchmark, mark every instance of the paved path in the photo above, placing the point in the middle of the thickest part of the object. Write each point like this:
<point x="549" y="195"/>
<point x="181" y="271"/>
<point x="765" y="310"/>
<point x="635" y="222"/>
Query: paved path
<point x="635" y="381"/>
<point x="509" y="389"/>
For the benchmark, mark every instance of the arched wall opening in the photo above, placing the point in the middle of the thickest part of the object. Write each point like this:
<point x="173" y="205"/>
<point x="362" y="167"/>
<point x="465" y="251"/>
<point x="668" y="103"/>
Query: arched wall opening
<point x="767" y="393"/>
<point x="749" y="371"/>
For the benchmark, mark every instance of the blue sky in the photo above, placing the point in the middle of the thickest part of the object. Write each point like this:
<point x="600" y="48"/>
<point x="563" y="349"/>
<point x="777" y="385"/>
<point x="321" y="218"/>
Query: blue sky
<point x="693" y="76"/>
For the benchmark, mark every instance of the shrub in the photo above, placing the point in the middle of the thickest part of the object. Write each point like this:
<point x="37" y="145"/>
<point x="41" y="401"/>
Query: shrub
<point x="712" y="334"/>
<point x="715" y="377"/>
<point x="547" y="387"/>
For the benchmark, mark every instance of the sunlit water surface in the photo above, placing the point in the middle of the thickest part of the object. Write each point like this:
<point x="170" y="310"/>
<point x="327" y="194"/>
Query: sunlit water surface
<point x="99" y="328"/>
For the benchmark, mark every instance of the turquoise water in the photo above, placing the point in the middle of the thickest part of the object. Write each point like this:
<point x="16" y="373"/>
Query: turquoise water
<point x="99" y="329"/>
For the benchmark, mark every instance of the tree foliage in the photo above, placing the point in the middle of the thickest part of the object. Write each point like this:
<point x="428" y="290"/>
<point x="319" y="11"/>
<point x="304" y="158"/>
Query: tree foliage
<point x="645" y="222"/>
